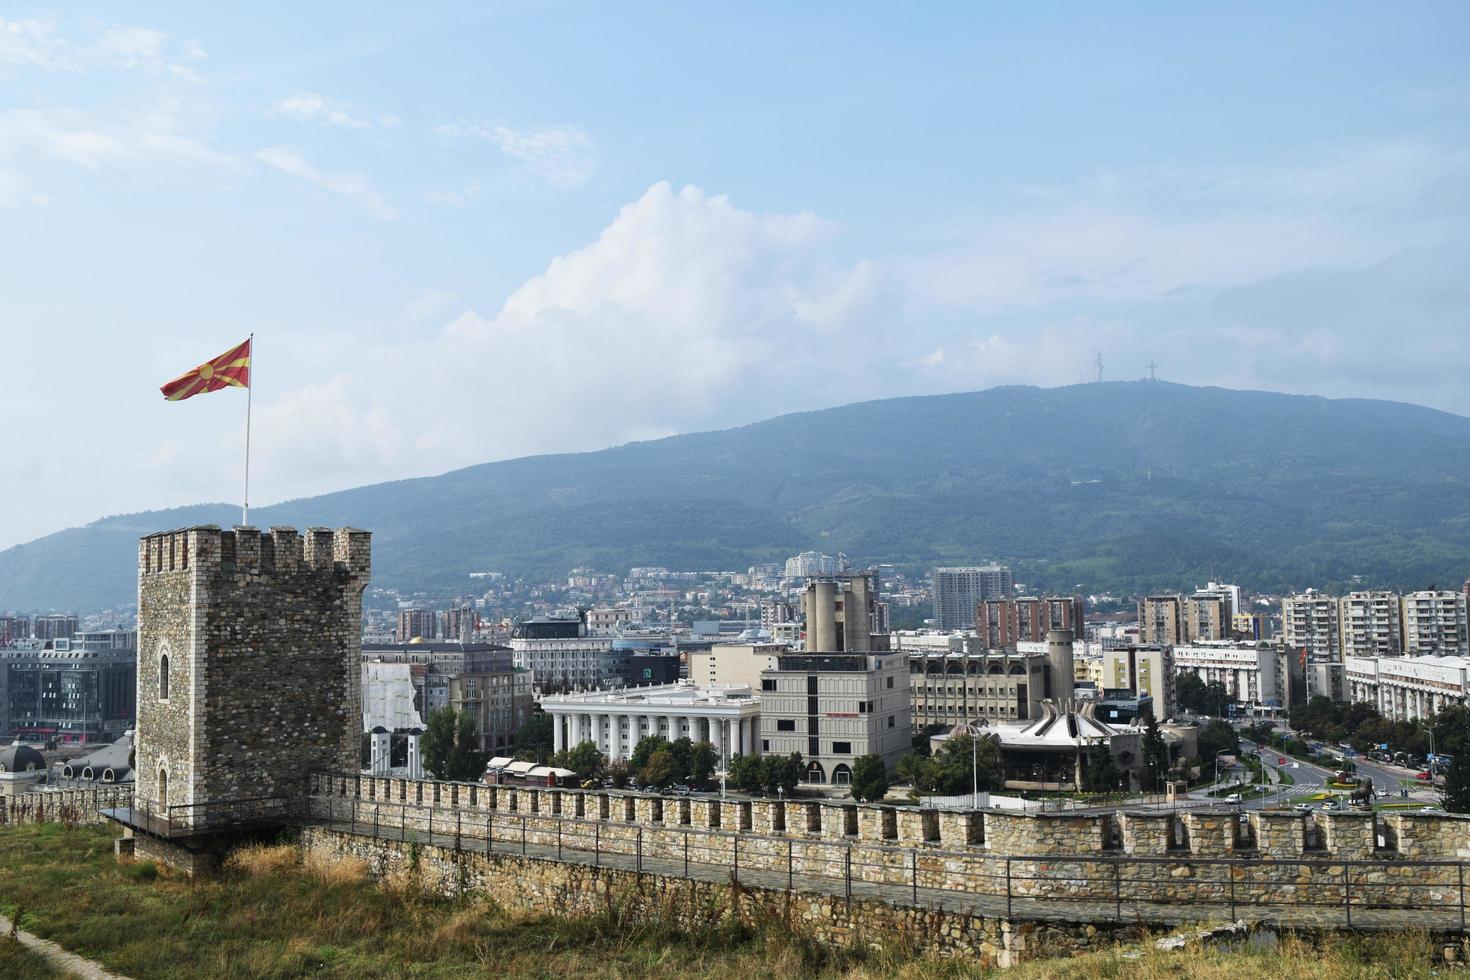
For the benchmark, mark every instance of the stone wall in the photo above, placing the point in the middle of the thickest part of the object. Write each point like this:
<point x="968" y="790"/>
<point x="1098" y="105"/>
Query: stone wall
<point x="1157" y="863"/>
<point x="77" y="806"/>
<point x="263" y="638"/>
<point x="542" y="887"/>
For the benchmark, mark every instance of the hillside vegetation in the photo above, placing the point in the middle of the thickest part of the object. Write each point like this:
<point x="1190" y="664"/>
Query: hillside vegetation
<point x="1117" y="486"/>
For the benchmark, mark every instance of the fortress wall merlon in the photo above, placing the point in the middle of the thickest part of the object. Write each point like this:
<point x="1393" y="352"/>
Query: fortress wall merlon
<point x="319" y="547"/>
<point x="286" y="548"/>
<point x="971" y="837"/>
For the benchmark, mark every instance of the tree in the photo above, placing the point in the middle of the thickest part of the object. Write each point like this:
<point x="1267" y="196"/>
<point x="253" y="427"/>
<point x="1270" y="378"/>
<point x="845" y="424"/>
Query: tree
<point x="449" y="746"/>
<point x="1189" y="692"/>
<point x="702" y="762"/>
<point x="869" y="778"/>
<point x="1155" y="756"/>
<point x="1099" y="774"/>
<point x="1214" y="737"/>
<point x="916" y="770"/>
<point x="964" y="762"/>
<point x="618" y="772"/>
<point x="661" y="769"/>
<point x="745" y="773"/>
<point x="535" y="741"/>
<point x="583" y="759"/>
<point x="1455" y="795"/>
<point x="437" y="740"/>
<point x="647" y="745"/>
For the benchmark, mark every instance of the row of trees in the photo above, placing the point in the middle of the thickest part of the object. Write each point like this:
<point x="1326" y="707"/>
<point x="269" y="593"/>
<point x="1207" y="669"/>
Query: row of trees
<point x="1365" y="729"/>
<point x="656" y="762"/>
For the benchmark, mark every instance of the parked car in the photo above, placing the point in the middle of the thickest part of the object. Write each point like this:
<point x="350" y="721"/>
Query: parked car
<point x="1233" y="798"/>
<point x="1304" y="807"/>
<point x="1329" y="804"/>
<point x="1425" y="775"/>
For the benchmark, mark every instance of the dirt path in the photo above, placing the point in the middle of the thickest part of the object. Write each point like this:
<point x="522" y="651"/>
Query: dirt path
<point x="73" y="964"/>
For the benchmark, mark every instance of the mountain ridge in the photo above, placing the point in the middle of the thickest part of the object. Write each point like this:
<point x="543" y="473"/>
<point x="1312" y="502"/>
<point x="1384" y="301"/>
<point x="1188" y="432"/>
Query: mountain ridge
<point x="1104" y="486"/>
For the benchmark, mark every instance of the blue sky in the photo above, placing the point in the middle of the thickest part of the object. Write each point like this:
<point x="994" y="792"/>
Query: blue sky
<point x="468" y="232"/>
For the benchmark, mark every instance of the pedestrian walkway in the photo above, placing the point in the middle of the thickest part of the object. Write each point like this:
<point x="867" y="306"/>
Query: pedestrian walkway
<point x="69" y="963"/>
<point x="1020" y="898"/>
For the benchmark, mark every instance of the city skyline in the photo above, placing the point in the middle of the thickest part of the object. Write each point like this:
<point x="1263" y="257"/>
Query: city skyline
<point x="462" y="236"/>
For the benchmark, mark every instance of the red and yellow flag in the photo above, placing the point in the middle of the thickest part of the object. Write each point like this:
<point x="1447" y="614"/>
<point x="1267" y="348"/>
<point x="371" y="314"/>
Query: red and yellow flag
<point x="229" y="370"/>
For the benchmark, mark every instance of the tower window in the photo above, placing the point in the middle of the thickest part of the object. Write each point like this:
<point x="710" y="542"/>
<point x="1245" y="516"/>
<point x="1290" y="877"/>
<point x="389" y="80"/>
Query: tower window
<point x="163" y="677"/>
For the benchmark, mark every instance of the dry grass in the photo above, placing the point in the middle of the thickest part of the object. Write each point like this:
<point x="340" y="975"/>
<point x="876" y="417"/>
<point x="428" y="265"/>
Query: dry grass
<point x="259" y="860"/>
<point x="273" y="915"/>
<point x="335" y="869"/>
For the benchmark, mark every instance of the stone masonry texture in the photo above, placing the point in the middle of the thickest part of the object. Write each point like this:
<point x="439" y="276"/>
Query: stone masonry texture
<point x="261" y="634"/>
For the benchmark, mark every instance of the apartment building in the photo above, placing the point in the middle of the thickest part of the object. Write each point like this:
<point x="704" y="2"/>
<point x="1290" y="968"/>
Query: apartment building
<point x="1002" y="623"/>
<point x="1311" y="621"/>
<point x="1248" y="672"/>
<point x="1409" y="688"/>
<point x="1372" y="624"/>
<point x="1208" y="616"/>
<point x="958" y="592"/>
<point x="1145" y="670"/>
<point x="492" y="691"/>
<point x="971" y="683"/>
<point x="1161" y="620"/>
<point x="1434" y="624"/>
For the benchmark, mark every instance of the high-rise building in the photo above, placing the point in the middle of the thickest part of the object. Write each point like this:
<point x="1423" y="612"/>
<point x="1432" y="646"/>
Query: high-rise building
<point x="14" y="628"/>
<point x="1161" y="621"/>
<point x="1208" y="615"/>
<point x="419" y="624"/>
<point x="54" y="627"/>
<point x="1372" y="624"/>
<point x="1312" y="621"/>
<point x="958" y="592"/>
<point x="459" y="624"/>
<point x="1434" y="624"/>
<point x="1002" y="623"/>
<point x="812" y="564"/>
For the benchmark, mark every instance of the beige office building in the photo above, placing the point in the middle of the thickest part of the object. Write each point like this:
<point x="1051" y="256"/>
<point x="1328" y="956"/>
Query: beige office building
<point x="733" y="663"/>
<point x="1161" y="620"/>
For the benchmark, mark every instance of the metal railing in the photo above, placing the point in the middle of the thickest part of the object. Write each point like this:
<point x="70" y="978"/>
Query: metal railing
<point x="1172" y="889"/>
<point x="190" y="819"/>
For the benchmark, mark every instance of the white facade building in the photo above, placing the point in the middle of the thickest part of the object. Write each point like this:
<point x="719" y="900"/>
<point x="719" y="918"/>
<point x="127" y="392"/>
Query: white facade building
<point x="1248" y="673"/>
<point x="1372" y="624"/>
<point x="565" y="662"/>
<point x="728" y="718"/>
<point x="1409" y="688"/>
<point x="1312" y="620"/>
<point x="1434" y="624"/>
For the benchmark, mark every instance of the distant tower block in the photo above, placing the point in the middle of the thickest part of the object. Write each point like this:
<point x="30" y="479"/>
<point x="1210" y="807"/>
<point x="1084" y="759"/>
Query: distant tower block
<point x="249" y="665"/>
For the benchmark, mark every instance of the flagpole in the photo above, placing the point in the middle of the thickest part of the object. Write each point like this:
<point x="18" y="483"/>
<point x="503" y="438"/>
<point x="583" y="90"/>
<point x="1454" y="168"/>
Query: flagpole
<point x="249" y="390"/>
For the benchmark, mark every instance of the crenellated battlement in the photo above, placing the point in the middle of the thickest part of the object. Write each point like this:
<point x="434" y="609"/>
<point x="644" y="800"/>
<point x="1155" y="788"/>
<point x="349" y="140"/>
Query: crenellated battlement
<point x="206" y="549"/>
<point x="1204" y="834"/>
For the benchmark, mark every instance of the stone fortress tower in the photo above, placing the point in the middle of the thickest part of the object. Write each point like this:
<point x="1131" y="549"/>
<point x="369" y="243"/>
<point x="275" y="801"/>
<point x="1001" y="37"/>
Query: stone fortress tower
<point x="249" y="665"/>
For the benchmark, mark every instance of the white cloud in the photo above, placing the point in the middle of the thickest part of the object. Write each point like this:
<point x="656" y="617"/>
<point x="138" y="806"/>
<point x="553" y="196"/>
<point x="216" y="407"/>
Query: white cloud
<point x="311" y="107"/>
<point x="36" y="43"/>
<point x="685" y="312"/>
<point x="354" y="187"/>
<point x="562" y="157"/>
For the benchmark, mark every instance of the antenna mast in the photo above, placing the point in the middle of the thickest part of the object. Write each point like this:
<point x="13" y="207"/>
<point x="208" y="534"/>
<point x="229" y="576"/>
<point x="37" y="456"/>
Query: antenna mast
<point x="1098" y="360"/>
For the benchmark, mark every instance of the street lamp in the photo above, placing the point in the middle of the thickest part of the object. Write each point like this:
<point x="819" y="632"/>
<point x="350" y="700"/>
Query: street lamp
<point x="1217" y="766"/>
<point x="972" y="729"/>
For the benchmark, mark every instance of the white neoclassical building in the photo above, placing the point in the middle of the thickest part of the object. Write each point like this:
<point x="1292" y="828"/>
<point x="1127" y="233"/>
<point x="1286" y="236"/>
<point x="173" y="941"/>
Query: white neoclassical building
<point x="726" y="716"/>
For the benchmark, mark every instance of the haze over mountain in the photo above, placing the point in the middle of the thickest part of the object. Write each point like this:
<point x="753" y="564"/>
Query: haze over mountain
<point x="1111" y="486"/>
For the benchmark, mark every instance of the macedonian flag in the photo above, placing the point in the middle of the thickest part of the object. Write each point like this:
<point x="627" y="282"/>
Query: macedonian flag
<point x="229" y="370"/>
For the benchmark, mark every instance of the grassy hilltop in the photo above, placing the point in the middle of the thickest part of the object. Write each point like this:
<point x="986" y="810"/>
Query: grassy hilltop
<point x="273" y="915"/>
